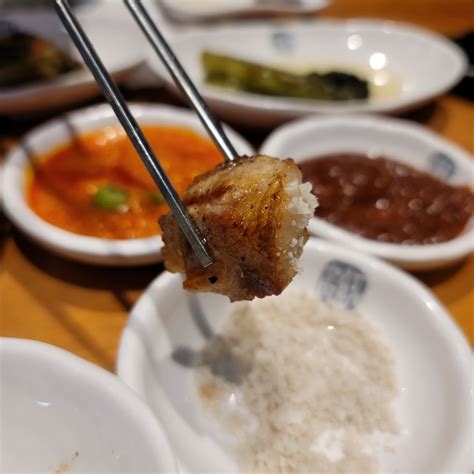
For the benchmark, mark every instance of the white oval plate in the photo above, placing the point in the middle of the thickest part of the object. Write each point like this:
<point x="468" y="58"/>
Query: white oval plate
<point x="423" y="64"/>
<point x="75" y="86"/>
<point x="59" y="131"/>
<point x="401" y="140"/>
<point x="188" y="10"/>
<point x="432" y="358"/>
<point x="63" y="414"/>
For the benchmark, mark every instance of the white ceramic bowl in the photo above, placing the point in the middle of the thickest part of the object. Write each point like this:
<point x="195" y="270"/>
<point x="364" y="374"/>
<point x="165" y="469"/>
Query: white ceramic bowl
<point x="59" y="131"/>
<point x="77" y="85"/>
<point x="189" y="10"/>
<point x="401" y="140"/>
<point x="433" y="360"/>
<point x="422" y="64"/>
<point x="62" y="414"/>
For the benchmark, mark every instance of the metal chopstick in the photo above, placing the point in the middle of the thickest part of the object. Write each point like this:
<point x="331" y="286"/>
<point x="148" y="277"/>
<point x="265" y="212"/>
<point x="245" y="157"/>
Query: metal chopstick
<point x="115" y="99"/>
<point x="181" y="78"/>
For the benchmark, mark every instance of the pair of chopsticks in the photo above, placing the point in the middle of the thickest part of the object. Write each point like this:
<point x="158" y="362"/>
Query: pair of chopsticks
<point x="116" y="100"/>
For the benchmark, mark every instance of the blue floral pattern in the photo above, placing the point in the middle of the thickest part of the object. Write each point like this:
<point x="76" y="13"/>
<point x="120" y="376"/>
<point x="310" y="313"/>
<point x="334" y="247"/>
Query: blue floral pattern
<point x="342" y="283"/>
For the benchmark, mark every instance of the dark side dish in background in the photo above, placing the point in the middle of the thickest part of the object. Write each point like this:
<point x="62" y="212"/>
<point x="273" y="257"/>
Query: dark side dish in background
<point x="237" y="74"/>
<point x="25" y="59"/>
<point x="385" y="200"/>
<point x="98" y="186"/>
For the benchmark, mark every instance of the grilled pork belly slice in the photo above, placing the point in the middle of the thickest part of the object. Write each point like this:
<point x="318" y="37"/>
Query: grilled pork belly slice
<point x="253" y="212"/>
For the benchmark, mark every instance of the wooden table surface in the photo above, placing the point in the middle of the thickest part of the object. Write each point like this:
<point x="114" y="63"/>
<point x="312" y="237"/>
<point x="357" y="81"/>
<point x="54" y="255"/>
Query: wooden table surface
<point x="83" y="308"/>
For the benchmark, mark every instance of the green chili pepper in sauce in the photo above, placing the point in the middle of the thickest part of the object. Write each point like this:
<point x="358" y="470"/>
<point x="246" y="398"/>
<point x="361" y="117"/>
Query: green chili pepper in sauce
<point x="111" y="198"/>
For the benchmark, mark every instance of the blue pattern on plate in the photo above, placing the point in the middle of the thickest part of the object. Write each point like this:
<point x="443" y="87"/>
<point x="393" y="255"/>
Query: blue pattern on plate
<point x="283" y="41"/>
<point x="342" y="283"/>
<point x="441" y="165"/>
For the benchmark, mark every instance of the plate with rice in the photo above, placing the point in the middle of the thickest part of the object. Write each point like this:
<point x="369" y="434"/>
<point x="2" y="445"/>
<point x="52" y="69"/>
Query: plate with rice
<point x="350" y="369"/>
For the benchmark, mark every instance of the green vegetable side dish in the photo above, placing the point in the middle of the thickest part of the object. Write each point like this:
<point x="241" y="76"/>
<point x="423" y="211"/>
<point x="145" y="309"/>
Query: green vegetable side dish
<point x="25" y="59"/>
<point x="111" y="198"/>
<point x="237" y="74"/>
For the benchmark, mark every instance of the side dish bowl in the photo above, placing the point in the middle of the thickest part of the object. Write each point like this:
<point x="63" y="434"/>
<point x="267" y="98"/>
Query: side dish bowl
<point x="60" y="131"/>
<point x="63" y="414"/>
<point x="191" y="10"/>
<point x="77" y="85"/>
<point x="400" y="140"/>
<point x="406" y="66"/>
<point x="431" y="357"/>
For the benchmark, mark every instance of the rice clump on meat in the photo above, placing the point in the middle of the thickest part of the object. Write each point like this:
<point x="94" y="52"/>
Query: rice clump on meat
<point x="301" y="206"/>
<point x="315" y="386"/>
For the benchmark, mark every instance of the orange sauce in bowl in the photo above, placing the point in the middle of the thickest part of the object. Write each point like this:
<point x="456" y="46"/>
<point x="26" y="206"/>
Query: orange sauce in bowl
<point x="64" y="182"/>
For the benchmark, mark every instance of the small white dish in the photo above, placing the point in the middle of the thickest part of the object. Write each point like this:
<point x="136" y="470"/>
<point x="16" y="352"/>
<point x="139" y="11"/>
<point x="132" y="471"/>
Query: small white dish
<point x="400" y="140"/>
<point x="59" y="131"/>
<point x="63" y="414"/>
<point x="77" y="85"/>
<point x="411" y="65"/>
<point x="431" y="354"/>
<point x="194" y="10"/>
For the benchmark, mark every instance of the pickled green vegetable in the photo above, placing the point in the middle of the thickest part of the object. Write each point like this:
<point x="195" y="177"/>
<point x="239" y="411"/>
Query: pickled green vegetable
<point x="111" y="198"/>
<point x="238" y="74"/>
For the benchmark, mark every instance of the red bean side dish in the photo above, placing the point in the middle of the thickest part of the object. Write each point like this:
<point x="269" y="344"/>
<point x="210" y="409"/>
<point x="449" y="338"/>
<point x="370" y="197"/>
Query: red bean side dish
<point x="386" y="200"/>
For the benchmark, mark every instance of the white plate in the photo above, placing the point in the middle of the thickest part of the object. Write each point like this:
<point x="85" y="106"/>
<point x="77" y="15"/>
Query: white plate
<point x="422" y="64"/>
<point x="59" y="131"/>
<point x="394" y="138"/>
<point x="204" y="9"/>
<point x="121" y="57"/>
<point x="62" y="414"/>
<point x="433" y="360"/>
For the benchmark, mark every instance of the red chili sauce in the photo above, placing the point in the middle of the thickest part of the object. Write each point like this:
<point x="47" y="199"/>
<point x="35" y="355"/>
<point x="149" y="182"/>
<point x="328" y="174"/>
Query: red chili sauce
<point x="386" y="200"/>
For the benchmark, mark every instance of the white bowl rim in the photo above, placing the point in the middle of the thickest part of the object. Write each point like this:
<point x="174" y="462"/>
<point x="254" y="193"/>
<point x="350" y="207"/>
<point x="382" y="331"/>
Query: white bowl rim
<point x="296" y="107"/>
<point x="81" y="247"/>
<point x="191" y="12"/>
<point x="456" y="248"/>
<point x="128" y="358"/>
<point x="108" y="383"/>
